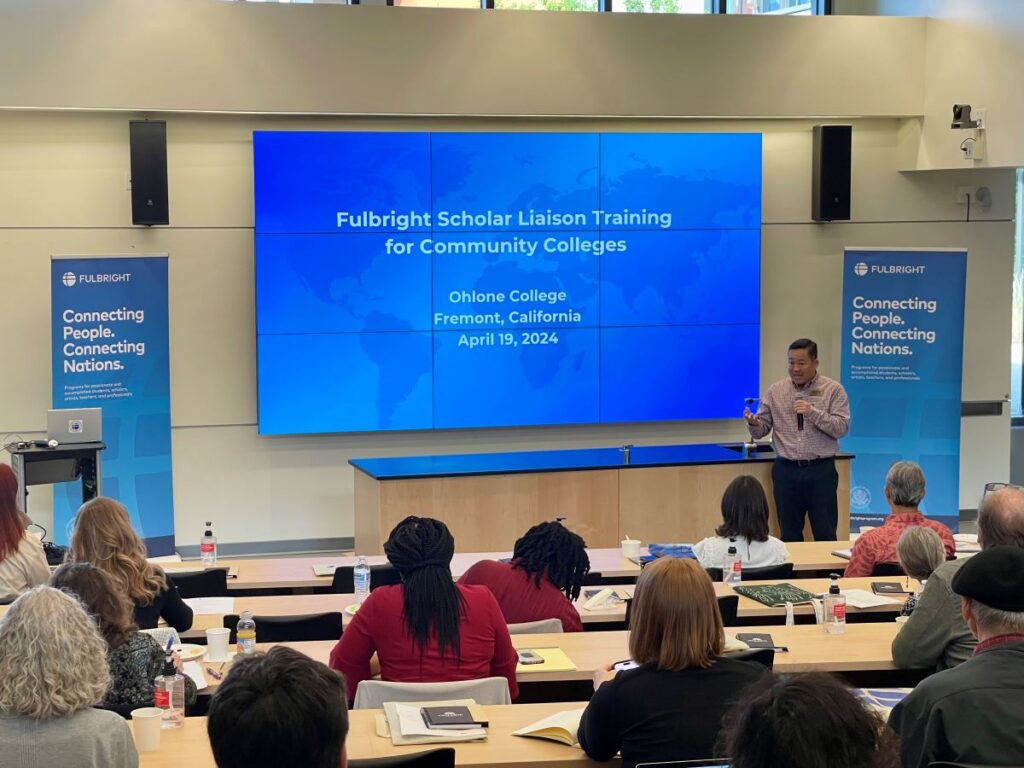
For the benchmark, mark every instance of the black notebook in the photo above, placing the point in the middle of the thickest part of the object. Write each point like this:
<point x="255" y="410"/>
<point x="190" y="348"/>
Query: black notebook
<point x="888" y="588"/>
<point x="454" y="718"/>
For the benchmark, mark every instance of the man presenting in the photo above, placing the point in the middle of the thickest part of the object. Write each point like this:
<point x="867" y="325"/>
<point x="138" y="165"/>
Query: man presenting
<point x="808" y="413"/>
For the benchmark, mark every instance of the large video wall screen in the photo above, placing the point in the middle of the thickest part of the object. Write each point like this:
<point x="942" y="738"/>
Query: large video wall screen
<point x="410" y="281"/>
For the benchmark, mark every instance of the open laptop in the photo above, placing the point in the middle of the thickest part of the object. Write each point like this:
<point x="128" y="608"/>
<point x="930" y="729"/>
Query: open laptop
<point x="74" y="425"/>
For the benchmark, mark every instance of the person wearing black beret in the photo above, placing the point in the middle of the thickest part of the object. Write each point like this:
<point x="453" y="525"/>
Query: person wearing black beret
<point x="974" y="713"/>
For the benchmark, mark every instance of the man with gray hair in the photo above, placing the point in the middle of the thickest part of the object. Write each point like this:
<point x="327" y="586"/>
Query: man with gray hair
<point x="904" y="490"/>
<point x="936" y="635"/>
<point x="975" y="713"/>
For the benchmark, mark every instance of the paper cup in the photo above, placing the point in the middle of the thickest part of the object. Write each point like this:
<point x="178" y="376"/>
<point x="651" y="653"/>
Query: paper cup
<point x="902" y="619"/>
<point x="630" y="548"/>
<point x="217" y="643"/>
<point x="146" y="724"/>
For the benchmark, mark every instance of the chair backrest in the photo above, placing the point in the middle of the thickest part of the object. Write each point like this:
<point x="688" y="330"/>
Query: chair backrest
<point x="763" y="656"/>
<point x="714" y="573"/>
<point x="380" y="576"/>
<point x="291" y="629"/>
<point x="443" y="757"/>
<point x="728" y="606"/>
<point x="887" y="569"/>
<point x="535" y="627"/>
<point x="768" y="572"/>
<point x="371" y="694"/>
<point x="944" y="764"/>
<point x="209" y="583"/>
<point x="596" y="579"/>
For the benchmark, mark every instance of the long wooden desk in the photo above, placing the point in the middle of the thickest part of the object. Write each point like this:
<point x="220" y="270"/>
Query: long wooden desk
<point x="862" y="648"/>
<point x="288" y="605"/>
<point x="655" y="493"/>
<point x="189" y="746"/>
<point x="297" y="572"/>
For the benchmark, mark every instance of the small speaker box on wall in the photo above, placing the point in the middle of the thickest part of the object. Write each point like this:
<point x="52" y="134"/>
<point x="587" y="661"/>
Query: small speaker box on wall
<point x="148" y="139"/>
<point x="830" y="186"/>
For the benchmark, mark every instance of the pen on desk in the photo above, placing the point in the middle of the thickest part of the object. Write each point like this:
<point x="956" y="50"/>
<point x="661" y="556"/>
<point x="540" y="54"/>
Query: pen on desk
<point x="214" y="674"/>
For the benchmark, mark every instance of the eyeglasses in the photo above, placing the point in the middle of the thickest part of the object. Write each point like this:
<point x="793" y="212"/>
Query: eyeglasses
<point x="993" y="487"/>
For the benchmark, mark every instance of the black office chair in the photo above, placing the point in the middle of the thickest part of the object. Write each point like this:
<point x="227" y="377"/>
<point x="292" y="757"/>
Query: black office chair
<point x="595" y="579"/>
<point x="291" y="629"/>
<point x="380" y="576"/>
<point x="443" y="757"/>
<point x="944" y="764"/>
<point x="768" y="573"/>
<point x="887" y="569"/>
<point x="727" y="606"/>
<point x="210" y="583"/>
<point x="763" y="656"/>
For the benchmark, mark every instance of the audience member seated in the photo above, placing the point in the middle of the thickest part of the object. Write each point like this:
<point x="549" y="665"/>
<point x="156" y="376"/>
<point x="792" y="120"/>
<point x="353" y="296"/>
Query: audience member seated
<point x="104" y="536"/>
<point x="745" y="519"/>
<point x="805" y="721"/>
<point x="545" y="576"/>
<point x="51" y="676"/>
<point x="671" y="706"/>
<point x="975" y="712"/>
<point x="919" y="551"/>
<point x="135" y="658"/>
<point x="428" y="628"/>
<point x="22" y="562"/>
<point x="904" y="491"/>
<point x="935" y="635"/>
<point x="276" y="710"/>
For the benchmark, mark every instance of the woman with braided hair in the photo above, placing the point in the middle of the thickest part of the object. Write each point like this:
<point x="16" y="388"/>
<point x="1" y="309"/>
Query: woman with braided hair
<point x="548" y="566"/>
<point x="427" y="629"/>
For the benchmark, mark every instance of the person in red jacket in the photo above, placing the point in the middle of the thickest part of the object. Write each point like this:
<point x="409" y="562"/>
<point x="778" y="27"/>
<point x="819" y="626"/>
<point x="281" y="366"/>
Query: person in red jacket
<point x="904" y="490"/>
<point x="543" y="579"/>
<point x="426" y="629"/>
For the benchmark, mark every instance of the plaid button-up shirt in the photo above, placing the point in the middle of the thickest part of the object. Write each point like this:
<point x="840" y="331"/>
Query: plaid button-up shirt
<point x="826" y="422"/>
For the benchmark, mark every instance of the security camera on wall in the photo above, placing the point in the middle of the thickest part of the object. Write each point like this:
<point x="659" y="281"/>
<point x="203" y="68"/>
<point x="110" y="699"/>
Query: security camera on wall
<point x="962" y="117"/>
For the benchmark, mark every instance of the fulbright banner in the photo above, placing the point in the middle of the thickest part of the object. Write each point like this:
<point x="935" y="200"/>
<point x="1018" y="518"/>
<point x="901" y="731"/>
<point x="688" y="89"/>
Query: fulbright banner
<point x="903" y="334"/>
<point x="109" y="347"/>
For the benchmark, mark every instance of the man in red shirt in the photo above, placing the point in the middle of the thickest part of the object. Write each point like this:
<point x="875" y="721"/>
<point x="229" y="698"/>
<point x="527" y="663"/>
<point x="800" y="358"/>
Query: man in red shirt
<point x="904" y="490"/>
<point x="547" y="569"/>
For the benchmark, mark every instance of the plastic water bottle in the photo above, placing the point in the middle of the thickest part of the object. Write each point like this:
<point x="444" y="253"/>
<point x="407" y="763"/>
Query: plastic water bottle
<point x="208" y="547"/>
<point x="246" y="633"/>
<point x="169" y="695"/>
<point x="732" y="565"/>
<point x="835" y="608"/>
<point x="361" y="579"/>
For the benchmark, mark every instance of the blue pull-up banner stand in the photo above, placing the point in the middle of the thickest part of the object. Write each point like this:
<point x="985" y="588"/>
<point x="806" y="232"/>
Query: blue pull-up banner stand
<point x="903" y="335"/>
<point x="109" y="348"/>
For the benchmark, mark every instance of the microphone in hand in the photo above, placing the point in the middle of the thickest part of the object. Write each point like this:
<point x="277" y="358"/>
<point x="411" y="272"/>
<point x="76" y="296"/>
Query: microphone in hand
<point x="799" y="416"/>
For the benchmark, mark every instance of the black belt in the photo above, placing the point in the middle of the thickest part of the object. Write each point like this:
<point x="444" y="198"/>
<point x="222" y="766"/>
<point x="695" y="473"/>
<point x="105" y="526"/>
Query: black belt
<point x="804" y="462"/>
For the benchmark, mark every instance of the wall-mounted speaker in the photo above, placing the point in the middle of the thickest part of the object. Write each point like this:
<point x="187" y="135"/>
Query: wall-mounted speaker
<point x="830" y="185"/>
<point x="148" y="139"/>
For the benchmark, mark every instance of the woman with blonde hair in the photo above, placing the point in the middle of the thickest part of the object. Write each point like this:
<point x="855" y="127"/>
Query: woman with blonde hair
<point x="670" y="706"/>
<point x="52" y="674"/>
<point x="104" y="536"/>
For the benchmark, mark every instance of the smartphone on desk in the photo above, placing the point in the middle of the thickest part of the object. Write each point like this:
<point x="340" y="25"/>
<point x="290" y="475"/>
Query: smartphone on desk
<point x="529" y="657"/>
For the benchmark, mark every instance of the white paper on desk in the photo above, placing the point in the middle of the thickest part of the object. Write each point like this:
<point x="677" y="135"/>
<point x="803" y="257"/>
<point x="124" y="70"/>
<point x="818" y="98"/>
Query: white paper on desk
<point x="861" y="598"/>
<point x="194" y="670"/>
<point x="211" y="606"/>
<point x="175" y="558"/>
<point x="410" y="723"/>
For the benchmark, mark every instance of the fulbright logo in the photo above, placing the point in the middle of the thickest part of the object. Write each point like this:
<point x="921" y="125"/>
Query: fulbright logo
<point x="69" y="279"/>
<point x="860" y="269"/>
